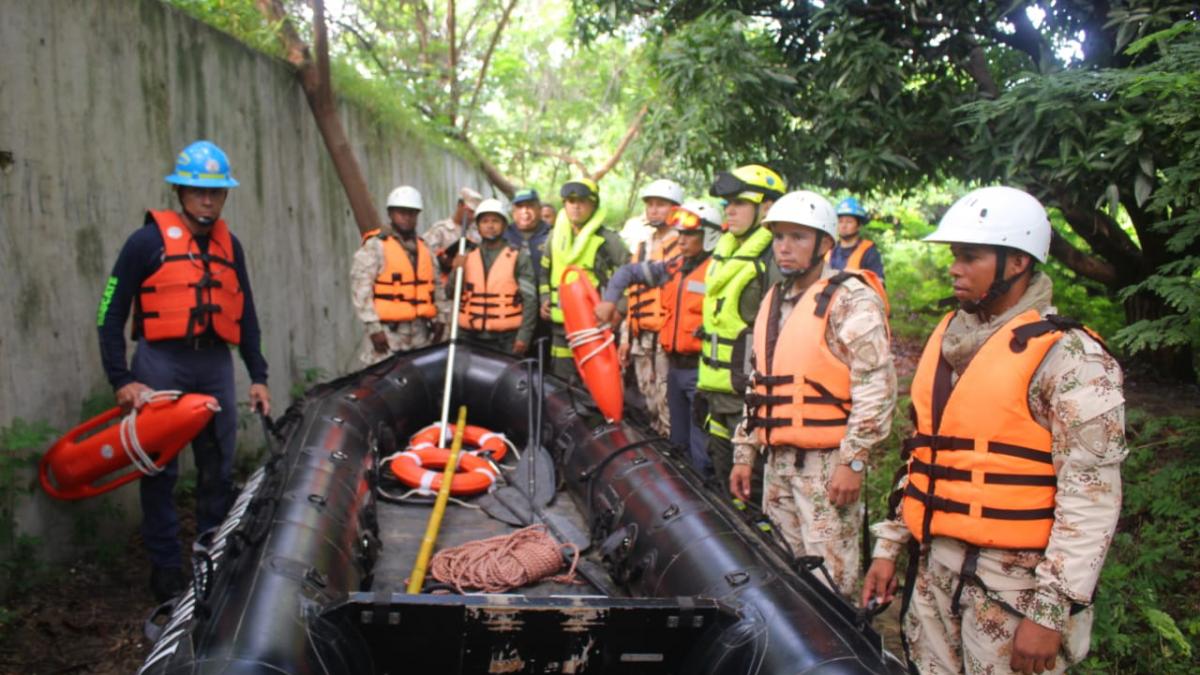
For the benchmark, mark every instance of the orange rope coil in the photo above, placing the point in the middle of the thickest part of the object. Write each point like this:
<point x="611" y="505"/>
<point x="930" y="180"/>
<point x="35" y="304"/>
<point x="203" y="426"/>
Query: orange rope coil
<point x="502" y="563"/>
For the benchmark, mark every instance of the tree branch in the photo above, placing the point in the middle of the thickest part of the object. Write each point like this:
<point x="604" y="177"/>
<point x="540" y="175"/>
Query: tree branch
<point x="634" y="128"/>
<point x="1081" y="263"/>
<point x="318" y="90"/>
<point x="483" y="68"/>
<point x="565" y="158"/>
<point x="494" y="175"/>
<point x="1102" y="234"/>
<point x="1026" y="38"/>
<point x="453" y="64"/>
<point x="977" y="67"/>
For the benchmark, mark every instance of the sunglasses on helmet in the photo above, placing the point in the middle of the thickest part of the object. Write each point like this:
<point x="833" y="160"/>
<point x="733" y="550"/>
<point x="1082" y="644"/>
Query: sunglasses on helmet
<point x="729" y="186"/>
<point x="577" y="190"/>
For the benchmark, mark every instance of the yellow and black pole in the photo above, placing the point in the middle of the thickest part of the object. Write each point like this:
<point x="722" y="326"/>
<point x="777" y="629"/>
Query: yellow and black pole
<point x="417" y="578"/>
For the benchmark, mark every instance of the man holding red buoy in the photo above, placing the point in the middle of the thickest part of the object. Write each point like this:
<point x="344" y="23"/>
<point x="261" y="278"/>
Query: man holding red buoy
<point x="578" y="239"/>
<point x="184" y="274"/>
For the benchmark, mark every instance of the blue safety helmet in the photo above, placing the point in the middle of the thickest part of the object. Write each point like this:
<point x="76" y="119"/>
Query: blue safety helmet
<point x="850" y="207"/>
<point x="202" y="164"/>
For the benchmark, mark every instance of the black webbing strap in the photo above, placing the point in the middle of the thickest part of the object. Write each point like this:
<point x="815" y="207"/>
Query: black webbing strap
<point x="933" y="503"/>
<point x="826" y="294"/>
<point x="949" y="473"/>
<point x="910" y="586"/>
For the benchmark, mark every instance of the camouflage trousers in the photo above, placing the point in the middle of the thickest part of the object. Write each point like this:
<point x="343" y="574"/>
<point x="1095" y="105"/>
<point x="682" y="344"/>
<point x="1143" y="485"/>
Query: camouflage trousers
<point x="796" y="499"/>
<point x="979" y="639"/>
<point x="401" y="337"/>
<point x="650" y="365"/>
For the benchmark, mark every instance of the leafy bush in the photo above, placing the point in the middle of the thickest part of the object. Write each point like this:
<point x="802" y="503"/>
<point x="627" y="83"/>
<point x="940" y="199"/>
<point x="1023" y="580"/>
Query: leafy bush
<point x="1147" y="619"/>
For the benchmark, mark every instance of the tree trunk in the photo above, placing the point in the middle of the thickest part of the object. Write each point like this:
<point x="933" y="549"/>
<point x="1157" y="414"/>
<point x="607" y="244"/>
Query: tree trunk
<point x="1171" y="364"/>
<point x="318" y="91"/>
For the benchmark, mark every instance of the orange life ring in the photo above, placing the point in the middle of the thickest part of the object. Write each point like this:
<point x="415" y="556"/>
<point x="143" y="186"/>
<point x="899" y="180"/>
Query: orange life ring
<point x="142" y="443"/>
<point x="592" y="346"/>
<point x="416" y="469"/>
<point x="476" y="440"/>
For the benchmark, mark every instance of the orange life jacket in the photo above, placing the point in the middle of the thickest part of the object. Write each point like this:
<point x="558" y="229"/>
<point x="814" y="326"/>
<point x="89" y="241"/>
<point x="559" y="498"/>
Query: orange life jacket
<point x="980" y="468"/>
<point x="401" y="294"/>
<point x="854" y="262"/>
<point x="370" y="233"/>
<point x="491" y="299"/>
<point x="683" y="304"/>
<point x="794" y="362"/>
<point x="192" y="289"/>
<point x="645" y="302"/>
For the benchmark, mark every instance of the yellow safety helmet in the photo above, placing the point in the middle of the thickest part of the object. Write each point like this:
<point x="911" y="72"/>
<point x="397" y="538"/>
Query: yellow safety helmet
<point x="584" y="188"/>
<point x="752" y="182"/>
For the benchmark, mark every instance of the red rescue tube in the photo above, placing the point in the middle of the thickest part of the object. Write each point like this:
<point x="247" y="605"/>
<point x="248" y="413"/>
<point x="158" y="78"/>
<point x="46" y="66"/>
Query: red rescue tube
<point x="593" y="347"/>
<point x="115" y="454"/>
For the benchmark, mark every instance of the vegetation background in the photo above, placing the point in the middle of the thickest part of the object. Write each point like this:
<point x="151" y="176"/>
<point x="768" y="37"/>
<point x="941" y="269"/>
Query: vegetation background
<point x="1093" y="106"/>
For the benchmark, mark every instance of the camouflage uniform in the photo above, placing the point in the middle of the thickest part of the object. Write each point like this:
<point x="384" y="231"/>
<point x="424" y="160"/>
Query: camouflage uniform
<point x="442" y="239"/>
<point x="649" y="360"/>
<point x="1076" y="394"/>
<point x="404" y="336"/>
<point x="796" y="482"/>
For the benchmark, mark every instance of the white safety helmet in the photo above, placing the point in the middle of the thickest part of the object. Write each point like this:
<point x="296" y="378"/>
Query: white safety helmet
<point x="664" y="189"/>
<point x="804" y="208"/>
<point x="710" y="217"/>
<point x="491" y="205"/>
<point x="997" y="216"/>
<point x="405" y="197"/>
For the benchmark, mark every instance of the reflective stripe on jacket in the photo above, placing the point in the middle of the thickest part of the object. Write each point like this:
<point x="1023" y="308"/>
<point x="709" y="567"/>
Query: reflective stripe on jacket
<point x="400" y="293"/>
<point x="491" y="299"/>
<point x="646" y="310"/>
<point x="981" y="468"/>
<point x="725" y="354"/>
<point x="192" y="288"/>
<point x="683" y="304"/>
<point x="567" y="248"/>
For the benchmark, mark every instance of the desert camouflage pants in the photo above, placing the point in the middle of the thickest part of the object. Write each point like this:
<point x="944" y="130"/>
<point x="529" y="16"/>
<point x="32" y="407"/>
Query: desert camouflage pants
<point x="401" y="337"/>
<point x="978" y="640"/>
<point x="650" y="365"/>
<point x="796" y="499"/>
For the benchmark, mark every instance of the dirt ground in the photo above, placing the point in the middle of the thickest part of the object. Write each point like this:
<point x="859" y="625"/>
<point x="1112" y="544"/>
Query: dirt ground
<point x="90" y="619"/>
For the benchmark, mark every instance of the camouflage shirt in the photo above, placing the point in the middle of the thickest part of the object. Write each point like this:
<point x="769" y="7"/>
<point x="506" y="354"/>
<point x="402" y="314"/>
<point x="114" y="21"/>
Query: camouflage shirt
<point x="368" y="262"/>
<point x="444" y="234"/>
<point x="857" y="334"/>
<point x="1076" y="393"/>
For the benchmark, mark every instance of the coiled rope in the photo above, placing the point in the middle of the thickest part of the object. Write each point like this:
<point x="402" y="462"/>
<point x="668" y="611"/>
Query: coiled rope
<point x="128" y="432"/>
<point x="585" y="336"/>
<point x="502" y="563"/>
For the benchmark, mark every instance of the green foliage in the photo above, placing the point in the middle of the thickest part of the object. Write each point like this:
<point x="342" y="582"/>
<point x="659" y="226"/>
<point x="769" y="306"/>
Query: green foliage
<point x="20" y="448"/>
<point x="1146" y="619"/>
<point x="239" y="18"/>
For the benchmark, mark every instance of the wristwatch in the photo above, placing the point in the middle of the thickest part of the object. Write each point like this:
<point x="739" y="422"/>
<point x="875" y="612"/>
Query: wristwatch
<point x="856" y="465"/>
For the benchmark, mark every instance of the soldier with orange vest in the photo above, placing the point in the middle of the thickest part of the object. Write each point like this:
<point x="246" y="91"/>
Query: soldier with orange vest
<point x="646" y="313"/>
<point x="184" y="274"/>
<point x="852" y="252"/>
<point x="1013" y="483"/>
<point x="821" y="394"/>
<point x="394" y="283"/>
<point x="499" y="307"/>
<point x="680" y="281"/>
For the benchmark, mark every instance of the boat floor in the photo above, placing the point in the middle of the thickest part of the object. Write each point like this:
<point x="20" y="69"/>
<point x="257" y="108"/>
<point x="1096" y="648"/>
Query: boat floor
<point x="402" y="527"/>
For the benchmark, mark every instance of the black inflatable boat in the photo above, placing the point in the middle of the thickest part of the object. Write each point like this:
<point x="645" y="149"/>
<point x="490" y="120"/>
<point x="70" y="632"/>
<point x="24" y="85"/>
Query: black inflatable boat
<point x="307" y="573"/>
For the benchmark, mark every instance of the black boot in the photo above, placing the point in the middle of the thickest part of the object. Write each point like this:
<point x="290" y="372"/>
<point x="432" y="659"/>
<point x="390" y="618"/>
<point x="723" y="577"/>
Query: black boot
<point x="166" y="583"/>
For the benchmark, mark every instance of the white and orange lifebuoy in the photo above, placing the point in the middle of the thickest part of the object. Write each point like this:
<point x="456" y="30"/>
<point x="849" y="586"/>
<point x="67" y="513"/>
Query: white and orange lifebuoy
<point x="422" y="469"/>
<point x="476" y="440"/>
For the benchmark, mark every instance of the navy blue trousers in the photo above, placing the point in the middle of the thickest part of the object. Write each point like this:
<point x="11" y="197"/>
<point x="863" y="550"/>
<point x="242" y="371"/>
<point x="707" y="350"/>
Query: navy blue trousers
<point x="172" y="364"/>
<point x="685" y="433"/>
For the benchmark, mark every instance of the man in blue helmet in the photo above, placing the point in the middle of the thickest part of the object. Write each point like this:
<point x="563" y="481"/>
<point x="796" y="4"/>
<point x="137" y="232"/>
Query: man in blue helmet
<point x="852" y="252"/>
<point x="184" y="274"/>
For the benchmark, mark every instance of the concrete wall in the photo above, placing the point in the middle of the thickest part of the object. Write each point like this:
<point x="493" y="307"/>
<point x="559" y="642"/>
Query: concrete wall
<point x="98" y="97"/>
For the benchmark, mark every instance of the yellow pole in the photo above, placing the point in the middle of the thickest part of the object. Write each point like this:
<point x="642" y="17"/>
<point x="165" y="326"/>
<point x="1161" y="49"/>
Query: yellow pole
<point x="417" y="578"/>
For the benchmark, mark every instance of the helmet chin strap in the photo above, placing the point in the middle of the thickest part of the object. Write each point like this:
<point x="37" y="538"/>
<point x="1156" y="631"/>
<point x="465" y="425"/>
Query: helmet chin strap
<point x="202" y="221"/>
<point x="999" y="286"/>
<point x="817" y="257"/>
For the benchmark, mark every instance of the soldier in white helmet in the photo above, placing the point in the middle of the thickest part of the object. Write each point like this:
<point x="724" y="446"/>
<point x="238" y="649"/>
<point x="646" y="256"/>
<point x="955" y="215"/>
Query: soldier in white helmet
<point x="394" y="282"/>
<point x="1013" y="482"/>
<point x="821" y="393"/>
<point x="499" y="307"/>
<point x="646" y="313"/>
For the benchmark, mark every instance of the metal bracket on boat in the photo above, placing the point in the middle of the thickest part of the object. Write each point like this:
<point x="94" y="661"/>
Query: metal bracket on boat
<point x="808" y="563"/>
